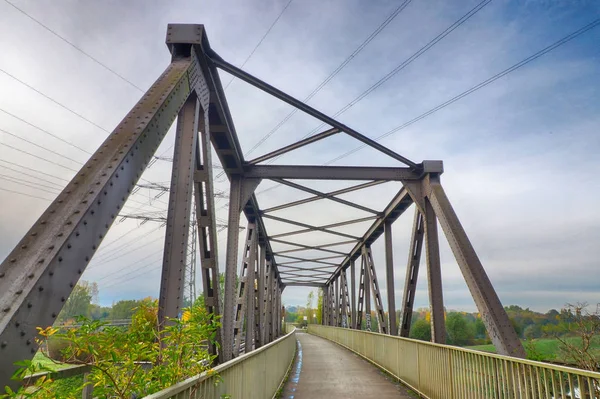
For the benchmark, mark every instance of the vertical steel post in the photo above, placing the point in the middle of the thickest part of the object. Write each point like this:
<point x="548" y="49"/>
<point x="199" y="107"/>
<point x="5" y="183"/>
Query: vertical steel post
<point x="494" y="316"/>
<point x="172" y="283"/>
<point x="353" y="294"/>
<point x="382" y="322"/>
<point x="275" y="306"/>
<point x="367" y="291"/>
<point x="434" y="276"/>
<point x="325" y="320"/>
<point x="330" y="299"/>
<point x="412" y="273"/>
<point x="389" y="267"/>
<point x="279" y="310"/>
<point x="336" y="315"/>
<point x="344" y="293"/>
<point x="231" y="257"/>
<point x="271" y="302"/>
<point x="250" y="297"/>
<point x="207" y="230"/>
<point x="261" y="296"/>
<point x="246" y="273"/>
<point x="362" y="286"/>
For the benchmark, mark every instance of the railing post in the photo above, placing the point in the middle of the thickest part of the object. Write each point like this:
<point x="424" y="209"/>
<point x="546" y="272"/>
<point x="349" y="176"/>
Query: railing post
<point x="88" y="388"/>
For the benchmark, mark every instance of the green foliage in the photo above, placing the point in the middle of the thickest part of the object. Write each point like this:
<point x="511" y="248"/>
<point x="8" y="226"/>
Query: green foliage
<point x="134" y="361"/>
<point x="533" y="353"/>
<point x="125" y="309"/>
<point x="291" y="317"/>
<point x="320" y="306"/>
<point x="459" y="331"/>
<point x="79" y="302"/>
<point x="421" y="329"/>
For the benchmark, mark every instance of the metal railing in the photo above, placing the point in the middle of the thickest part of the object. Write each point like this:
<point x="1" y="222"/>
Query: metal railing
<point x="443" y="371"/>
<point x="257" y="374"/>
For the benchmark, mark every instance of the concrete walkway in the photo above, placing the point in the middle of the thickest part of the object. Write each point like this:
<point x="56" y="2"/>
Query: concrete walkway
<point x="326" y="370"/>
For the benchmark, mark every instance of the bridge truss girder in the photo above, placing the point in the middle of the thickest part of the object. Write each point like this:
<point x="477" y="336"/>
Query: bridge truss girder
<point x="40" y="273"/>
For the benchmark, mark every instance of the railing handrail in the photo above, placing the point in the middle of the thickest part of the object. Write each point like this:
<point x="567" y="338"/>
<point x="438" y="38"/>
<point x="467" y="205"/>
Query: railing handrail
<point x="557" y="367"/>
<point x="183" y="385"/>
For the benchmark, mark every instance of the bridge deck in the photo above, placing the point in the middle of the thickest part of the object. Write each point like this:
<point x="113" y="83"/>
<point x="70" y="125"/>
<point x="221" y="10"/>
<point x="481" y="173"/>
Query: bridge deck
<point x="325" y="370"/>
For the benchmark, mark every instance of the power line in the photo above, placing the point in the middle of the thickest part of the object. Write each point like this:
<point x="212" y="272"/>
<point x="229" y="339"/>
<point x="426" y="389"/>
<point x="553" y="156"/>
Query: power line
<point x="45" y="131"/>
<point x="136" y="276"/>
<point x="54" y="101"/>
<point x="394" y="71"/>
<point x="368" y="40"/>
<point x="32" y="176"/>
<point x="24" y="194"/>
<point x="75" y="47"/>
<point x="39" y="146"/>
<point x="261" y="40"/>
<point x="39" y="157"/>
<point x="110" y="259"/>
<point x="128" y="267"/>
<point x="406" y="62"/>
<point x="27" y="183"/>
<point x="481" y="85"/>
<point x="108" y="256"/>
<point x="34" y="170"/>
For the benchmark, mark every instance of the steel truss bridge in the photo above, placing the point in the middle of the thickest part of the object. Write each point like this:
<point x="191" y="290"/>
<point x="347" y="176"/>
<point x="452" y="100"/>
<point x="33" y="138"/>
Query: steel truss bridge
<point x="40" y="273"/>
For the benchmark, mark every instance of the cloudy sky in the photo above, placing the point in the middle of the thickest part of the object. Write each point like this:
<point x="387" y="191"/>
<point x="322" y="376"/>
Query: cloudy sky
<point x="520" y="154"/>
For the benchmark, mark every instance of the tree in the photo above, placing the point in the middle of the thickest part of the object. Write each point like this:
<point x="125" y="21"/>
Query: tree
<point x="78" y="303"/>
<point x="309" y="306"/>
<point x="421" y="329"/>
<point x="579" y="322"/>
<point x="458" y="330"/>
<point x="320" y="306"/>
<point x="480" y="330"/>
<point x="124" y="309"/>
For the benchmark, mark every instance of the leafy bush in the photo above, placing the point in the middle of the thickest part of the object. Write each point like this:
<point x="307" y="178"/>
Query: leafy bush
<point x="132" y="362"/>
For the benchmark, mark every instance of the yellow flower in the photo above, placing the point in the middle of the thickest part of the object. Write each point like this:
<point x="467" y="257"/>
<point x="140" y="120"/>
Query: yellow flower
<point x="186" y="316"/>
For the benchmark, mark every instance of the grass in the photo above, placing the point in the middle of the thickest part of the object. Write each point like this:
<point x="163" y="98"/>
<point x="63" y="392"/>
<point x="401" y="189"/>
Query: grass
<point x="548" y="348"/>
<point x="47" y="362"/>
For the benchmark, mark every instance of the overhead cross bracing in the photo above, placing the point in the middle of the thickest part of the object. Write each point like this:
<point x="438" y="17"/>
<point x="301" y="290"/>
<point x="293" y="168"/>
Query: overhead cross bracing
<point x="278" y="251"/>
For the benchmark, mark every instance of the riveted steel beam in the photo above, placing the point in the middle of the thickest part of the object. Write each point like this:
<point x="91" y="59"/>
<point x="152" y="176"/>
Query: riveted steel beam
<point x="295" y="146"/>
<point x="434" y="275"/>
<point x="244" y="308"/>
<point x="353" y="294"/>
<point x="412" y="273"/>
<point x="362" y="287"/>
<point x="260" y="320"/>
<point x="389" y="278"/>
<point x="318" y="197"/>
<point x="494" y="316"/>
<point x="308" y="228"/>
<point x="285" y="267"/>
<point x="207" y="229"/>
<point x="37" y="277"/>
<point x="240" y="74"/>
<point x="296" y="284"/>
<point x="172" y="282"/>
<point x="324" y="195"/>
<point x="321" y="246"/>
<point x="344" y="300"/>
<point x="393" y="210"/>
<point x="312" y="172"/>
<point x="336" y="293"/>
<point x="371" y="273"/>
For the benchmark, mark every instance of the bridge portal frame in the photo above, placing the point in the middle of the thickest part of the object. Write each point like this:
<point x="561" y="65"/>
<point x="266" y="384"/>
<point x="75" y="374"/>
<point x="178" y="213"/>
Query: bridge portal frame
<point x="40" y="273"/>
